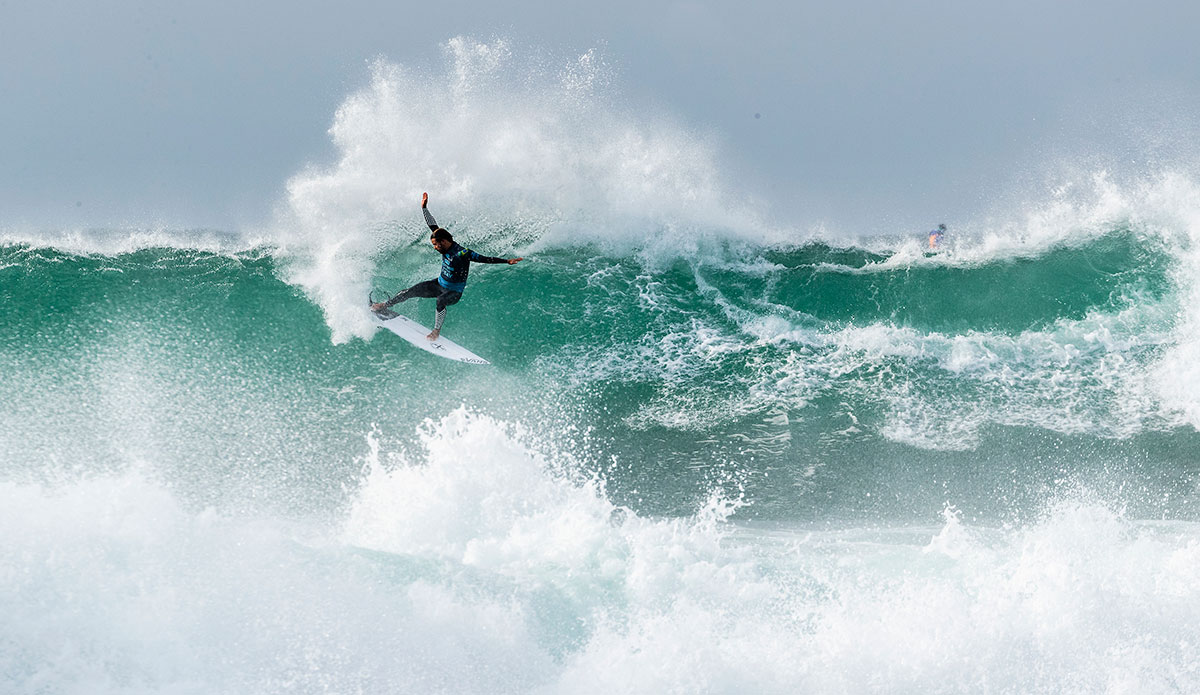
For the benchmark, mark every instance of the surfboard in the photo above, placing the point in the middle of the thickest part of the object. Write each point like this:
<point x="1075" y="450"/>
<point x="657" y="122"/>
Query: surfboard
<point x="415" y="333"/>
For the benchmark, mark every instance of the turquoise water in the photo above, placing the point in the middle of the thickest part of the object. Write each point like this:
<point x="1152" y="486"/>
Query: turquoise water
<point x="808" y="467"/>
<point x="817" y="382"/>
<point x="712" y="454"/>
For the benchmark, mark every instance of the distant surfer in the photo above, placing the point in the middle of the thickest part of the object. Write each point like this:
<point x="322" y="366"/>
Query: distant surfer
<point x="935" y="236"/>
<point x="449" y="286"/>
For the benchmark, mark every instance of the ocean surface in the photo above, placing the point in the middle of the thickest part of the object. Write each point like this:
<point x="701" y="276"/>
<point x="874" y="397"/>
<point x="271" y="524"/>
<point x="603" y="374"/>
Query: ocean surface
<point x="713" y="453"/>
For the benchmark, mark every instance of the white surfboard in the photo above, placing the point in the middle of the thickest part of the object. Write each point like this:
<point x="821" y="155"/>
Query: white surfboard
<point x="415" y="333"/>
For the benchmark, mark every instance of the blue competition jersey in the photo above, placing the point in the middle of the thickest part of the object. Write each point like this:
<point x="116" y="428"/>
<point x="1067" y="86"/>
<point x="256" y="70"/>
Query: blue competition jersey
<point x="456" y="262"/>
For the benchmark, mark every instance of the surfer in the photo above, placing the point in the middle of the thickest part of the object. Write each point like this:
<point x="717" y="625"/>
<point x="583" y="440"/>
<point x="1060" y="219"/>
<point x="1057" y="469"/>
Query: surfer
<point x="449" y="286"/>
<point x="935" y="236"/>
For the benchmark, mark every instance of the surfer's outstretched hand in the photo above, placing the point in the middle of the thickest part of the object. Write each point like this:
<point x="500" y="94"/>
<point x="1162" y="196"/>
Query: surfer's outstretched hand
<point x="378" y="307"/>
<point x="514" y="261"/>
<point x="424" y="199"/>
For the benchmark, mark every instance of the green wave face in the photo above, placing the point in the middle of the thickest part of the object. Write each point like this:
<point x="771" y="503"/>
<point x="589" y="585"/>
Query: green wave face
<point x="1002" y="296"/>
<point x="818" y="382"/>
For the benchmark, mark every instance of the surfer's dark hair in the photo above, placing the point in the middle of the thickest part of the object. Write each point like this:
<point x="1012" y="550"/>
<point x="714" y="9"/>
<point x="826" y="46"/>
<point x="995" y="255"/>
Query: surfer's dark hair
<point x="441" y="235"/>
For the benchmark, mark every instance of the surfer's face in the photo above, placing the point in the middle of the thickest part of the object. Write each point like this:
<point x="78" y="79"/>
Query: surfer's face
<point x="442" y="245"/>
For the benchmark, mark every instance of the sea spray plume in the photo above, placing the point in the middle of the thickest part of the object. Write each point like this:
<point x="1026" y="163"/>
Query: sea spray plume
<point x="481" y="498"/>
<point x="512" y="152"/>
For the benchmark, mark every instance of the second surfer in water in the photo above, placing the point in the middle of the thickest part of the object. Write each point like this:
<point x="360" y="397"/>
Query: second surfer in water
<point x="936" y="236"/>
<point x="449" y="286"/>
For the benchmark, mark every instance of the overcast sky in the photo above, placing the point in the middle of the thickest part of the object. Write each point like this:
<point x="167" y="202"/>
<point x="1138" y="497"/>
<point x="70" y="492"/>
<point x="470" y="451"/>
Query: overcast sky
<point x="868" y="113"/>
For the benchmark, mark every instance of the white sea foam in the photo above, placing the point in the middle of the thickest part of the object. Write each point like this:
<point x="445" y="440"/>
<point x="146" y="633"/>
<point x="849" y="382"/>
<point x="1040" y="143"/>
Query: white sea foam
<point x="116" y="241"/>
<point x="1176" y="378"/>
<point x="1074" y="211"/>
<point x="476" y="564"/>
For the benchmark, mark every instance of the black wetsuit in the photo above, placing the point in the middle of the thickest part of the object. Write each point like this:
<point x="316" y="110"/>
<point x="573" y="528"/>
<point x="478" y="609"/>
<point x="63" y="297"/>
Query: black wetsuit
<point x="449" y="286"/>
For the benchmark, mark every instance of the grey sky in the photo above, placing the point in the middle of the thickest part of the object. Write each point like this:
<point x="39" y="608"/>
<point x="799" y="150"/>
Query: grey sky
<point x="871" y="114"/>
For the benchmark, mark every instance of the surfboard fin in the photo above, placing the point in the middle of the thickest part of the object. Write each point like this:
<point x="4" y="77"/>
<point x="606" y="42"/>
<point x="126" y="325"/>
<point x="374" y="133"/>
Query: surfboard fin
<point x="383" y="313"/>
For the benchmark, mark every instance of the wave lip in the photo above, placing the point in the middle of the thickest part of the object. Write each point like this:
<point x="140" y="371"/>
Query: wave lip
<point x="122" y="241"/>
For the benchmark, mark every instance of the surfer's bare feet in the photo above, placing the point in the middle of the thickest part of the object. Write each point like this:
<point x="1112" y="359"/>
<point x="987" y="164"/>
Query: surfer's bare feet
<point x="434" y="335"/>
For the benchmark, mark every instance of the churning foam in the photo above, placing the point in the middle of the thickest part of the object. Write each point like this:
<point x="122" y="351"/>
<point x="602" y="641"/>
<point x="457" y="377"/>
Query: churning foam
<point x="1077" y="599"/>
<point x="479" y="565"/>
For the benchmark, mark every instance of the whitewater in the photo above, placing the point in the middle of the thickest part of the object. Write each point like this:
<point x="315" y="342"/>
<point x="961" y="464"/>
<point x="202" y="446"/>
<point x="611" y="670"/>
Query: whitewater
<point x="716" y="452"/>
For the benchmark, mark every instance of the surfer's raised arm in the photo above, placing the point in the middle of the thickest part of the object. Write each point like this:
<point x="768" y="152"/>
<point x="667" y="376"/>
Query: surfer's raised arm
<point x="433" y="225"/>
